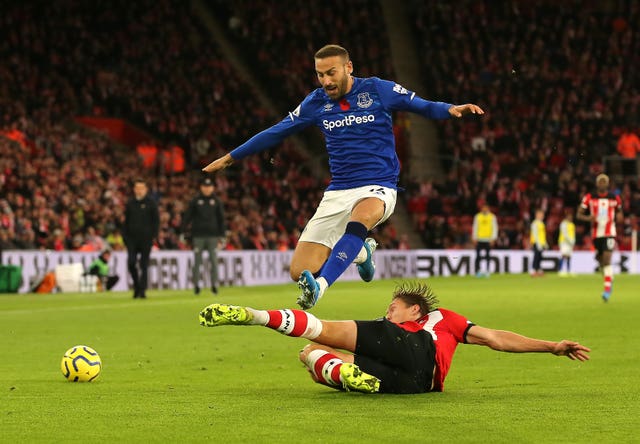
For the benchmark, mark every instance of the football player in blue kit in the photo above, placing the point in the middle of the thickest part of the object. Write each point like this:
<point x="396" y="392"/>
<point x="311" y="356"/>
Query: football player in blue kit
<point x="354" y="114"/>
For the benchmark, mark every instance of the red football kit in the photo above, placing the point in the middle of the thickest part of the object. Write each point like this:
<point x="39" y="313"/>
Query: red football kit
<point x="448" y="329"/>
<point x="603" y="207"/>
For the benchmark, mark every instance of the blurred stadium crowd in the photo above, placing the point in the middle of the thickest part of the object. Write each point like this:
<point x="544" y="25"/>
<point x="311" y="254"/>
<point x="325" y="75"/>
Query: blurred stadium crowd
<point x="558" y="79"/>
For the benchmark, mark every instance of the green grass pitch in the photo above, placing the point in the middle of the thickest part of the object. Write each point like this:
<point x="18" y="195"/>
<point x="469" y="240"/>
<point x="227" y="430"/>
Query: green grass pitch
<point x="167" y="379"/>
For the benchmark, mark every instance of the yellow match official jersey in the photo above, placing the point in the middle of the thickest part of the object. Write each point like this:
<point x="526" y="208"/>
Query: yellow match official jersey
<point x="567" y="233"/>
<point x="538" y="233"/>
<point x="485" y="227"/>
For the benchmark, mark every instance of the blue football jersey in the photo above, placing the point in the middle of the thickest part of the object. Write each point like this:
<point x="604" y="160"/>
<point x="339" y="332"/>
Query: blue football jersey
<point x="357" y="128"/>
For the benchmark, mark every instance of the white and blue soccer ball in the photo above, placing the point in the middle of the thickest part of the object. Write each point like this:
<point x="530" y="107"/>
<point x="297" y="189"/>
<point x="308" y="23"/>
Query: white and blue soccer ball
<point x="81" y="364"/>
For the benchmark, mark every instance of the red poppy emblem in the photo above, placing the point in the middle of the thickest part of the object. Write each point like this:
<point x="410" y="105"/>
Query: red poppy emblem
<point x="344" y="105"/>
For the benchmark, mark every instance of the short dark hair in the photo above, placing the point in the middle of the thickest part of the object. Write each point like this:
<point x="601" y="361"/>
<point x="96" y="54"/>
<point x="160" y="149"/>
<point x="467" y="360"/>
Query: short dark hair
<point x="416" y="293"/>
<point x="332" y="51"/>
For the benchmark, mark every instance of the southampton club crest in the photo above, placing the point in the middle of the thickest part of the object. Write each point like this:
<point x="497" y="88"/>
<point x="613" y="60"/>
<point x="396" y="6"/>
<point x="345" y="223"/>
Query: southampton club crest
<point x="364" y="101"/>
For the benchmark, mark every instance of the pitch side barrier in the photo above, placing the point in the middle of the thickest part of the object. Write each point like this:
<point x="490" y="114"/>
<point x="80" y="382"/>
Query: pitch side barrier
<point x="172" y="269"/>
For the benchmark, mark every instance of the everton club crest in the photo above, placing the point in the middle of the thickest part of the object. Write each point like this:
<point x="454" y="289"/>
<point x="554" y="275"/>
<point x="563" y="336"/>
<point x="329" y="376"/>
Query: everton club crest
<point x="364" y="101"/>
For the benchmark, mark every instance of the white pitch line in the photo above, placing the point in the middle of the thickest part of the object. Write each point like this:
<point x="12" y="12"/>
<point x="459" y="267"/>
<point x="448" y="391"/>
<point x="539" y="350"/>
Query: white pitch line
<point x="93" y="307"/>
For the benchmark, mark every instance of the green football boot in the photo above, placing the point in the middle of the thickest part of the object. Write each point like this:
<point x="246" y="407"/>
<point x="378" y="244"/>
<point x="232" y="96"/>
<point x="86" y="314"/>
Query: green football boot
<point x="222" y="314"/>
<point x="355" y="380"/>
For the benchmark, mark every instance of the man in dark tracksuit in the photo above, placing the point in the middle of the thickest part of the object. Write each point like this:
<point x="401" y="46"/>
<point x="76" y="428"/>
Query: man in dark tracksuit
<point x="205" y="217"/>
<point x="141" y="225"/>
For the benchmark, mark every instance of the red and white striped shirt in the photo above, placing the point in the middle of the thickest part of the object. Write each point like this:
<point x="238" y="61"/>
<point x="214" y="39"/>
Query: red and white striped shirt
<point x="603" y="207"/>
<point x="448" y="329"/>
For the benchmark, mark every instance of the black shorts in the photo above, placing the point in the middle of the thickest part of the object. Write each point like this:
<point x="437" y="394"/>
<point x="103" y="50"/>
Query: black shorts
<point x="403" y="361"/>
<point x="603" y="244"/>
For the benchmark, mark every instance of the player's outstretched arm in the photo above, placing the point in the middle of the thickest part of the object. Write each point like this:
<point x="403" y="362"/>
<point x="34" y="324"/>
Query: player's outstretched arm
<point x="507" y="341"/>
<point x="219" y="164"/>
<point x="467" y="108"/>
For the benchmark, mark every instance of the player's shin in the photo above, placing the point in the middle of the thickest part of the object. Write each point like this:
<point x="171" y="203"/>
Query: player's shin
<point x="344" y="252"/>
<point x="295" y="323"/>
<point x="324" y="367"/>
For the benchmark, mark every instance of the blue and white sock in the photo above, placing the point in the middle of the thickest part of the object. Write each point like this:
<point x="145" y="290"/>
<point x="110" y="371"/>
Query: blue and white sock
<point x="344" y="252"/>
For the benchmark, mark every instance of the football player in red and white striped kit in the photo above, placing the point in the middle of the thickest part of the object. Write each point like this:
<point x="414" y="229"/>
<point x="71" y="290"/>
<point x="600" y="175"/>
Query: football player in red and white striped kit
<point x="408" y="351"/>
<point x="603" y="209"/>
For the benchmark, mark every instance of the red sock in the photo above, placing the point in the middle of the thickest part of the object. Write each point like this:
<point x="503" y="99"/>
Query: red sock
<point x="326" y="367"/>
<point x="608" y="277"/>
<point x="297" y="323"/>
<point x="607" y="283"/>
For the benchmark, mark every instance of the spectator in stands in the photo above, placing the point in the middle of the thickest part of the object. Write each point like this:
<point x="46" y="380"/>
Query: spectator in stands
<point x="403" y="242"/>
<point x="93" y="240"/>
<point x="6" y="243"/>
<point x="59" y="240"/>
<point x="115" y="240"/>
<point x="503" y="242"/>
<point x="628" y="144"/>
<point x="436" y="233"/>
<point x="629" y="147"/>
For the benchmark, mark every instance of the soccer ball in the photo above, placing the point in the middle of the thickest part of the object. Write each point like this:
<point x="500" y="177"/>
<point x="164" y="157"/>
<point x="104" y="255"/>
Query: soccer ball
<point x="81" y="364"/>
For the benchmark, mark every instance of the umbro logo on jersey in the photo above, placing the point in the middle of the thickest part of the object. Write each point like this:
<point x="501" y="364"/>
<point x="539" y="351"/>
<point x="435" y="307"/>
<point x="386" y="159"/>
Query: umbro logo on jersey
<point x="328" y="107"/>
<point x="377" y="191"/>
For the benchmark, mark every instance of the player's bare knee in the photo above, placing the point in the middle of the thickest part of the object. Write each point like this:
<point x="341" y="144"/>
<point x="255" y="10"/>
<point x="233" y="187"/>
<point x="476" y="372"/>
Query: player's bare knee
<point x="294" y="273"/>
<point x="304" y="353"/>
<point x="296" y="268"/>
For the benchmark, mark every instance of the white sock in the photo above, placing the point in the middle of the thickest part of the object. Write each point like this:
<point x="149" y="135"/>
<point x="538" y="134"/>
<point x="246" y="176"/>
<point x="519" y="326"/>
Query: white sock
<point x="260" y="317"/>
<point x="361" y="257"/>
<point x="322" y="282"/>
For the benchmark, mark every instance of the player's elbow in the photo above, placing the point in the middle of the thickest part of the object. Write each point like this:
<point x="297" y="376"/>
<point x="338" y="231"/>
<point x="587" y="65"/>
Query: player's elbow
<point x="497" y="346"/>
<point x="497" y="341"/>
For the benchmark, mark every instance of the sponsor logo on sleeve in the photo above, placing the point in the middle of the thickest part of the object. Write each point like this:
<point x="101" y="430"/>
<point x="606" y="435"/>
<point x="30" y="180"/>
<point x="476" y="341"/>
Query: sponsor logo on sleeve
<point x="295" y="113"/>
<point x="400" y="89"/>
